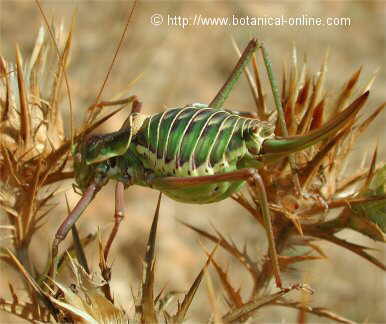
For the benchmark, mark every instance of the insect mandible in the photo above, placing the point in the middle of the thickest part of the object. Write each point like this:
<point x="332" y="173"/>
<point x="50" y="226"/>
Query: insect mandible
<point x="196" y="154"/>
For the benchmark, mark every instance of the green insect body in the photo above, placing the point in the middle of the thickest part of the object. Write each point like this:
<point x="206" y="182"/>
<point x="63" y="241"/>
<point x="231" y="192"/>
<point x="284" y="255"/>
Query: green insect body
<point x="180" y="142"/>
<point x="190" y="142"/>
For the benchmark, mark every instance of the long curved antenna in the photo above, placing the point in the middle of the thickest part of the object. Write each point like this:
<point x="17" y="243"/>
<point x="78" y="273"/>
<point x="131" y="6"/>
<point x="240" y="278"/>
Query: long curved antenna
<point x="93" y="115"/>
<point x="62" y="66"/>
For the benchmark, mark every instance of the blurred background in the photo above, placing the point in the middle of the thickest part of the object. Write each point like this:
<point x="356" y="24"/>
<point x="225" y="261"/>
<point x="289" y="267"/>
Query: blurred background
<point x="179" y="65"/>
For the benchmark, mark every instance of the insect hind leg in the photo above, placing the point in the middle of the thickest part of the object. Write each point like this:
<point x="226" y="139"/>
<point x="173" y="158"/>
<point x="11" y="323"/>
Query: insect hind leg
<point x="253" y="178"/>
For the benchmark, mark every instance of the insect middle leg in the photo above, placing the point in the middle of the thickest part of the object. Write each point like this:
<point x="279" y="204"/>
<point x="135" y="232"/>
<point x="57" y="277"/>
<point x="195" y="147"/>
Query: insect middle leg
<point x="119" y="214"/>
<point x="253" y="178"/>
<point x="119" y="199"/>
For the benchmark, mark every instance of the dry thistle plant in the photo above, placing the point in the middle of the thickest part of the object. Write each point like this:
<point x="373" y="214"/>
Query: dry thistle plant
<point x="35" y="154"/>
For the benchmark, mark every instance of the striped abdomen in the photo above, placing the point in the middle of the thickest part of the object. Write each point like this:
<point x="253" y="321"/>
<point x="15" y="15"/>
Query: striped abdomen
<point x="195" y="141"/>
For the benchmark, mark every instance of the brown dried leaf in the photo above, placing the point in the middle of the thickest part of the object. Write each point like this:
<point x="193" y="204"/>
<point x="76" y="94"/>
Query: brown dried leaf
<point x="244" y="259"/>
<point x="27" y="311"/>
<point x="355" y="248"/>
<point x="247" y="309"/>
<point x="233" y="294"/>
<point x="347" y="91"/>
<point x="25" y="117"/>
<point x="319" y="311"/>
<point x="184" y="306"/>
<point x="148" y="314"/>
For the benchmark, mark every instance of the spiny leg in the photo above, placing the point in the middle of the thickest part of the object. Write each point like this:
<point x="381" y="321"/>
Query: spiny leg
<point x="253" y="178"/>
<point x="224" y="92"/>
<point x="70" y="220"/>
<point x="118" y="216"/>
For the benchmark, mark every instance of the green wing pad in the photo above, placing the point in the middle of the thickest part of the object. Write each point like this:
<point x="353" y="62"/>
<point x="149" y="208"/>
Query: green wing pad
<point x="103" y="147"/>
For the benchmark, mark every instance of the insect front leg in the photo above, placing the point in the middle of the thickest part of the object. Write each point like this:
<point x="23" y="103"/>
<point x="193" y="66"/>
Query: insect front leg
<point x="250" y="175"/>
<point x="70" y="220"/>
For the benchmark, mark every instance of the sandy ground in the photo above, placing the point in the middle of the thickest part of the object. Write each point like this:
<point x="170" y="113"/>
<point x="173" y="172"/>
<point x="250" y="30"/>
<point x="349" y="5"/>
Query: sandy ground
<point x="183" y="65"/>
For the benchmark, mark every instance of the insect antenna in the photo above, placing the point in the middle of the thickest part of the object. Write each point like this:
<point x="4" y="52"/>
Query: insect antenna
<point x="93" y="114"/>
<point x="95" y="108"/>
<point x="61" y="61"/>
